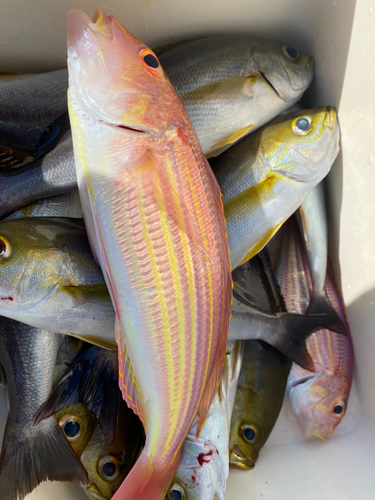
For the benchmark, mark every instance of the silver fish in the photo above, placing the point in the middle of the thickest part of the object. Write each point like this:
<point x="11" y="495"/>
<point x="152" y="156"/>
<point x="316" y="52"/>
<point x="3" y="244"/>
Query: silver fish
<point x="33" y="115"/>
<point x="31" y="453"/>
<point x="51" y="175"/>
<point x="312" y="219"/>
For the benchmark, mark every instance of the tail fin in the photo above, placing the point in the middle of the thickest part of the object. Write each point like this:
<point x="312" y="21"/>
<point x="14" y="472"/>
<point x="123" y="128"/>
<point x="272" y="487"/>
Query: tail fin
<point x="41" y="454"/>
<point x="146" y="482"/>
<point x="319" y="304"/>
<point x="292" y="334"/>
<point x="92" y="379"/>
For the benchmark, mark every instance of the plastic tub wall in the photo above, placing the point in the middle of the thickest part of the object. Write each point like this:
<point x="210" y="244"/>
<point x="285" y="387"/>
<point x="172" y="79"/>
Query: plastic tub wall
<point x="341" y="36"/>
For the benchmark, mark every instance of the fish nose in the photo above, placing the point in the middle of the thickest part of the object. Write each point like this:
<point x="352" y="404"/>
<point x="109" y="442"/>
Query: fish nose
<point x="240" y="460"/>
<point x="330" y="118"/>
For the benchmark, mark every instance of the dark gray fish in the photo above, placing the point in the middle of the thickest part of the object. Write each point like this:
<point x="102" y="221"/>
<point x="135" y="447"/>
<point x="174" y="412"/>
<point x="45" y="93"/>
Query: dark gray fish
<point x="92" y="380"/>
<point x="33" y="115"/>
<point x="31" y="453"/>
<point x="51" y="175"/>
<point x="252" y="317"/>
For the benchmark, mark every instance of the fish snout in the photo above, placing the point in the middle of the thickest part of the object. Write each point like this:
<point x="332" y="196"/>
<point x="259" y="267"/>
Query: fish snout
<point x="238" y="459"/>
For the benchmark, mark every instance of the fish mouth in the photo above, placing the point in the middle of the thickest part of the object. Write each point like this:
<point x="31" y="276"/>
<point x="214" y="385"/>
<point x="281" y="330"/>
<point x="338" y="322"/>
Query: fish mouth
<point x="126" y="128"/>
<point x="239" y="460"/>
<point x="268" y="81"/>
<point x="93" y="492"/>
<point x="330" y="118"/>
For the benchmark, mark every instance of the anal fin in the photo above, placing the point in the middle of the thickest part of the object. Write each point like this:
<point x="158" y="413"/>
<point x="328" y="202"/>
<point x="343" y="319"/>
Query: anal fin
<point x="127" y="383"/>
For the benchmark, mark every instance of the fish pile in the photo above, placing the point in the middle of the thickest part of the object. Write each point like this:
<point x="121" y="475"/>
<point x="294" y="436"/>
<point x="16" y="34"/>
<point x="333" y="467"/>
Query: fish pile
<point x="156" y="307"/>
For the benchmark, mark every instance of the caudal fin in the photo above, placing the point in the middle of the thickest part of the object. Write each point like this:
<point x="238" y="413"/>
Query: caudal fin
<point x="92" y="379"/>
<point x="147" y="482"/>
<point x="29" y="458"/>
<point x="319" y="304"/>
<point x="293" y="332"/>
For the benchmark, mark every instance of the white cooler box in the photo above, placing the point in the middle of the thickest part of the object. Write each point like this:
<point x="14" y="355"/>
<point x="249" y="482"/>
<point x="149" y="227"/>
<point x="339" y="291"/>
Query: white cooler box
<point x="340" y="34"/>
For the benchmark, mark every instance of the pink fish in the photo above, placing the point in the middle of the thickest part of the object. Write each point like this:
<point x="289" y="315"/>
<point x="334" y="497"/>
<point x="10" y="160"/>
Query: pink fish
<point x="155" y="219"/>
<point x="320" y="399"/>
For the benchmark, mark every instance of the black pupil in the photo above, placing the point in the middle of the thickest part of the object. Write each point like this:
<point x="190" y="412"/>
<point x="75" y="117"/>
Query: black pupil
<point x="3" y="247"/>
<point x="71" y="428"/>
<point x="338" y="409"/>
<point x="303" y="123"/>
<point x="109" y="469"/>
<point x="151" y="61"/>
<point x="249" y="434"/>
<point x="175" y="495"/>
<point x="292" y="52"/>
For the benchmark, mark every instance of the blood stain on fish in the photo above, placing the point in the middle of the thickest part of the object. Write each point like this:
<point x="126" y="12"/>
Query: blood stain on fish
<point x="203" y="458"/>
<point x="6" y="298"/>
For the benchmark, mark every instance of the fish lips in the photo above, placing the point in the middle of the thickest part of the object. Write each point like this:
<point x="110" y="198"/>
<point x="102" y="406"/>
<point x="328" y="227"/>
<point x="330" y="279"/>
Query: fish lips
<point x="238" y="459"/>
<point x="93" y="492"/>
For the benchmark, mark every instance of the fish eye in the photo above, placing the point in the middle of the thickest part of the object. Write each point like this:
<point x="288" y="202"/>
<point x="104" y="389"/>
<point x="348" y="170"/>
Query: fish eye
<point x="338" y="409"/>
<point x="5" y="248"/>
<point x="72" y="427"/>
<point x="302" y="125"/>
<point x="291" y="53"/>
<point x="250" y="433"/>
<point x="109" y="468"/>
<point x="176" y="492"/>
<point x="151" y="61"/>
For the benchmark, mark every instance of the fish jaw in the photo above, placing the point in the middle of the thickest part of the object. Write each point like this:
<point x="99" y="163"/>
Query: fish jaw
<point x="127" y="93"/>
<point x="238" y="459"/>
<point x="93" y="493"/>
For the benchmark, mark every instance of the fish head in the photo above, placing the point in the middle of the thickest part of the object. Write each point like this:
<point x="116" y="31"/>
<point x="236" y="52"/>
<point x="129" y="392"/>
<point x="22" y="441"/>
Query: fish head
<point x="78" y="425"/>
<point x="319" y="402"/>
<point x="288" y="70"/>
<point x="302" y="146"/>
<point x="108" y="464"/>
<point x="201" y="475"/>
<point x="116" y="80"/>
<point x="30" y="264"/>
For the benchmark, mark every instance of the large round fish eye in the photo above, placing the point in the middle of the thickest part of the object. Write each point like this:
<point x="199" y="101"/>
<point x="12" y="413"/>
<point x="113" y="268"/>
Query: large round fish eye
<point x="250" y="433"/>
<point x="5" y="248"/>
<point x="150" y="62"/>
<point x="176" y="492"/>
<point x="109" y="468"/>
<point x="291" y="53"/>
<point x="338" y="409"/>
<point x="302" y="125"/>
<point x="72" y="427"/>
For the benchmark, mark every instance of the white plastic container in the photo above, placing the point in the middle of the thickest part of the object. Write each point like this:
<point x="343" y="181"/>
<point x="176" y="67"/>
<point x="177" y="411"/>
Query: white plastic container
<point x="341" y="37"/>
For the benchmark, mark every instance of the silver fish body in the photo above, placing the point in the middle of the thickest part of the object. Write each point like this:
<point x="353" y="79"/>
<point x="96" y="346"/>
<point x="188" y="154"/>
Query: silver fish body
<point x="54" y="174"/>
<point x="27" y="357"/>
<point x="33" y="115"/>
<point x="49" y="279"/>
<point x="312" y="218"/>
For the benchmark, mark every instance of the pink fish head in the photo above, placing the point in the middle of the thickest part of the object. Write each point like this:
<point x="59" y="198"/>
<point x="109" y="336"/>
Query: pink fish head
<point x="115" y="78"/>
<point x="319" y="404"/>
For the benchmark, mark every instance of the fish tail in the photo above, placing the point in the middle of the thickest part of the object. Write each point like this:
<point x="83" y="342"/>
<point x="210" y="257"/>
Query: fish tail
<point x="148" y="481"/>
<point x="29" y="458"/>
<point x="293" y="332"/>
<point x="319" y="304"/>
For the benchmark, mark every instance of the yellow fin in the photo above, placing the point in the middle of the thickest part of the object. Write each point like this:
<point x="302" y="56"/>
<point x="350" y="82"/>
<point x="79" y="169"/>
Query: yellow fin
<point x="95" y="341"/>
<point x="262" y="243"/>
<point x="225" y="142"/>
